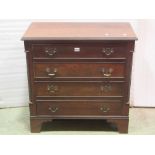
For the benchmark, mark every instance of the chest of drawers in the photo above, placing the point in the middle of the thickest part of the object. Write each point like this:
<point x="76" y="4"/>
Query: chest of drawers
<point x="79" y="71"/>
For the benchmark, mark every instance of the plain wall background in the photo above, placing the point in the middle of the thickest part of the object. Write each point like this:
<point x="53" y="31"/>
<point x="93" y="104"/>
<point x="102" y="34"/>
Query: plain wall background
<point x="13" y="77"/>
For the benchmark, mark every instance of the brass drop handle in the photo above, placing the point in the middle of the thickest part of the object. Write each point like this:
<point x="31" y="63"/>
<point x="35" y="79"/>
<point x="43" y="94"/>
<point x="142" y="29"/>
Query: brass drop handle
<point x="52" y="88"/>
<point x="106" y="88"/>
<point x="108" y="51"/>
<point x="50" y="51"/>
<point x="107" y="72"/>
<point x="51" y="73"/>
<point x="104" y="109"/>
<point x="53" y="109"/>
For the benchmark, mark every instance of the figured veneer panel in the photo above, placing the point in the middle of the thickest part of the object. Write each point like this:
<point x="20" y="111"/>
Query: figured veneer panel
<point x="102" y="50"/>
<point x="88" y="70"/>
<point x="79" y="88"/>
<point x="79" y="108"/>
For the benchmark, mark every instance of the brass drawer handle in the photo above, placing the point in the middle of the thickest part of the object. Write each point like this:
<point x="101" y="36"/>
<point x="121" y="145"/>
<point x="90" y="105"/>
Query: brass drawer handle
<point x="107" y="51"/>
<point x="50" y="51"/>
<point x="107" y="72"/>
<point x="106" y="88"/>
<point x="104" y="109"/>
<point x="52" y="88"/>
<point x="53" y="109"/>
<point x="50" y="72"/>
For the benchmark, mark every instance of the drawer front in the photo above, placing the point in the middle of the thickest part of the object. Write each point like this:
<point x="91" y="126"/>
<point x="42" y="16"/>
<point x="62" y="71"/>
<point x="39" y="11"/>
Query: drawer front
<point x="88" y="70"/>
<point x="79" y="108"/>
<point x="79" y="50"/>
<point x="79" y="88"/>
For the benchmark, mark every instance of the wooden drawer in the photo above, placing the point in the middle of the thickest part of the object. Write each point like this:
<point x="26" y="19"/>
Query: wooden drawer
<point x="74" y="70"/>
<point x="114" y="50"/>
<point x="79" y="88"/>
<point x="79" y="108"/>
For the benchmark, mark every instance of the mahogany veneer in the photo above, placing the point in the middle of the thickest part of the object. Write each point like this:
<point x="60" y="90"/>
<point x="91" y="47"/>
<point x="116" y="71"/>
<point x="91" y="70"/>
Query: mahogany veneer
<point x="79" y="71"/>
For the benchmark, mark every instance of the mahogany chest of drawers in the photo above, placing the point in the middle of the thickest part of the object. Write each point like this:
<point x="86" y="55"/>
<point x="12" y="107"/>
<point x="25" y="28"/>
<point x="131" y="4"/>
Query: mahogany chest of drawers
<point x="79" y="71"/>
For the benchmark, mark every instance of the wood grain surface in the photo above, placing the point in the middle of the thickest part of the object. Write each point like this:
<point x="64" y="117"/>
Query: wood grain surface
<point x="79" y="31"/>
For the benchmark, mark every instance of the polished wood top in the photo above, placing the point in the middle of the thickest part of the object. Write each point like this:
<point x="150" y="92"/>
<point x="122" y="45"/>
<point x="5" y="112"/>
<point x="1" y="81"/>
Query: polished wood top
<point x="79" y="31"/>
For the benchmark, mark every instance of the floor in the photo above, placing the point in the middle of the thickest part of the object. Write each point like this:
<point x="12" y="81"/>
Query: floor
<point x="15" y="121"/>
